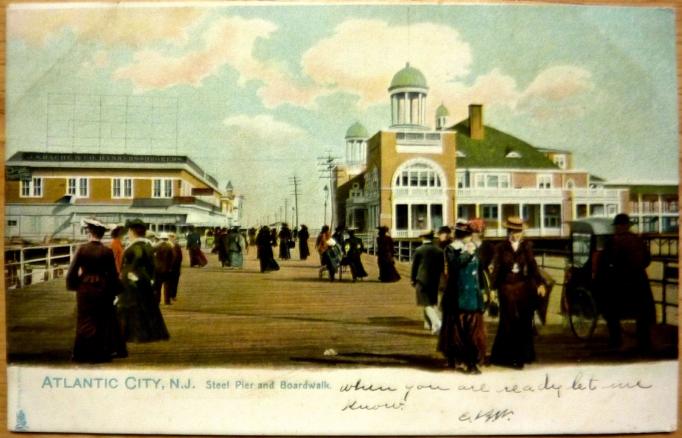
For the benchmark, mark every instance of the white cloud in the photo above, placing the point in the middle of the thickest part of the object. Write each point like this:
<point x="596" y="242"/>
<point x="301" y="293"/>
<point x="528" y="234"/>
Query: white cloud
<point x="227" y="41"/>
<point x="109" y="25"/>
<point x="263" y="129"/>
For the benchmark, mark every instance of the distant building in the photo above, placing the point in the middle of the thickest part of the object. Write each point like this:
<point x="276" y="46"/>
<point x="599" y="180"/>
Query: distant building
<point x="653" y="207"/>
<point x="47" y="194"/>
<point x="414" y="178"/>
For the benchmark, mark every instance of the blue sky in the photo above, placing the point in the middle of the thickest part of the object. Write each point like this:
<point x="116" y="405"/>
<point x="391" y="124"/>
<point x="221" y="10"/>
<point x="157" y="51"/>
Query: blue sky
<point x="262" y="90"/>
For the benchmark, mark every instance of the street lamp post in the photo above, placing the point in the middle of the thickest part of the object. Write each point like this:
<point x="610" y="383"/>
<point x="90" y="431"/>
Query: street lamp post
<point x="326" y="195"/>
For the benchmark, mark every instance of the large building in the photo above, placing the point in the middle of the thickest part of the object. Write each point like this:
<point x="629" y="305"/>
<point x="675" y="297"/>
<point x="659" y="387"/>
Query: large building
<point x="47" y="194"/>
<point x="415" y="178"/>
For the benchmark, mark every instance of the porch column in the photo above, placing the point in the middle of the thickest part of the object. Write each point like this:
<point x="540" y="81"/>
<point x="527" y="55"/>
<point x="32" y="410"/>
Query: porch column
<point x="542" y="219"/>
<point x="429" y="225"/>
<point x="660" y="214"/>
<point x="499" y="219"/>
<point x="407" y="108"/>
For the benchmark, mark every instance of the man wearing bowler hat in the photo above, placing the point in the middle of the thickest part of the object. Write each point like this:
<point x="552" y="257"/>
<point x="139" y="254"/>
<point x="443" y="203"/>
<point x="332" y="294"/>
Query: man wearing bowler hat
<point x="427" y="267"/>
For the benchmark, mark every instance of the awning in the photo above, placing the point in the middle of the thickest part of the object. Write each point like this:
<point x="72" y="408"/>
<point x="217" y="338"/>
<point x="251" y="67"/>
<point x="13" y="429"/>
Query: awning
<point x="206" y="220"/>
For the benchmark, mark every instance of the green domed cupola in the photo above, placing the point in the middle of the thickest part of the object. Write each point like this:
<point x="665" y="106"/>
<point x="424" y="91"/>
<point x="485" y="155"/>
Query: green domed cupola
<point x="442" y="114"/>
<point x="357" y="130"/>
<point x="408" y="77"/>
<point x="408" y="99"/>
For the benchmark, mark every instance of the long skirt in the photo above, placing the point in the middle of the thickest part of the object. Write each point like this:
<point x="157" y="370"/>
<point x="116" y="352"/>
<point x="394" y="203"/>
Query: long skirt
<point x="197" y="257"/>
<point x="303" y="250"/>
<point x="357" y="270"/>
<point x="387" y="271"/>
<point x="284" y="251"/>
<point x="513" y="344"/>
<point x="462" y="337"/>
<point x="98" y="336"/>
<point x="140" y="315"/>
<point x="236" y="259"/>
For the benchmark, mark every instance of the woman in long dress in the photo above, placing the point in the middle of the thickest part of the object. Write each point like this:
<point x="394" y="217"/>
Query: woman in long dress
<point x="354" y="248"/>
<point x="303" y="236"/>
<point x="385" y="260"/>
<point x="138" y="308"/>
<point x="236" y="246"/>
<point x="94" y="277"/>
<point x="284" y="239"/>
<point x="462" y="338"/>
<point x="265" y="255"/>
<point x="518" y="282"/>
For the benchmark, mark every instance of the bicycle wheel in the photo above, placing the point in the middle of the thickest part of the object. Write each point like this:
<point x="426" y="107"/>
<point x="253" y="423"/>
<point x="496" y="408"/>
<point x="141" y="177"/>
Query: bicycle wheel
<point x="582" y="313"/>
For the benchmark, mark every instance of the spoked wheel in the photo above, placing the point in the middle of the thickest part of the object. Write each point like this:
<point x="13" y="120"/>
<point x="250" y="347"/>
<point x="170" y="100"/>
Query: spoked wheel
<point x="582" y="312"/>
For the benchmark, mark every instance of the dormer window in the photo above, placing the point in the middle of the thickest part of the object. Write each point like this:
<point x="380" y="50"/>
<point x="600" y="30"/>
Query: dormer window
<point x="513" y="154"/>
<point x="560" y="161"/>
<point x="460" y="154"/>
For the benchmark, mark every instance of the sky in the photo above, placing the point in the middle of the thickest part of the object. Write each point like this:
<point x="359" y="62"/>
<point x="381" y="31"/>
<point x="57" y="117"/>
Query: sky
<point x="256" y="93"/>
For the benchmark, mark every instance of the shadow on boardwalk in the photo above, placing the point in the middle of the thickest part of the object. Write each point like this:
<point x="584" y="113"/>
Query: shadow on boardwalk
<point x="288" y="318"/>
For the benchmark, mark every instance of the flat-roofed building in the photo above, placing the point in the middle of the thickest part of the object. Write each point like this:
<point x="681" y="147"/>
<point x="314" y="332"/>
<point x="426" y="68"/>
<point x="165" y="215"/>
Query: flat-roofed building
<point x="47" y="194"/>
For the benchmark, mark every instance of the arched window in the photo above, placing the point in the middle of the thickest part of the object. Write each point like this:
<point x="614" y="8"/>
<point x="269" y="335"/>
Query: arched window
<point x="418" y="175"/>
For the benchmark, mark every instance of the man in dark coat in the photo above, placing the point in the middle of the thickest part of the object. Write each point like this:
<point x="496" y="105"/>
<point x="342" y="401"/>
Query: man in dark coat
<point x="94" y="277"/>
<point x="177" y="267"/>
<point x="622" y="272"/>
<point x="427" y="267"/>
<point x="164" y="260"/>
<point x="285" y="238"/>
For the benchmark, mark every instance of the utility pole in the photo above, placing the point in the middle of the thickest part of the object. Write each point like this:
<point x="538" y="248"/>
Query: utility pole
<point x="294" y="181"/>
<point x="286" y="209"/>
<point x="326" y="166"/>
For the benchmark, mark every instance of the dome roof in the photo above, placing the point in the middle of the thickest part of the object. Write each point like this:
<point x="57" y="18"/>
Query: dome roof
<point x="357" y="130"/>
<point x="441" y="111"/>
<point x="408" y="77"/>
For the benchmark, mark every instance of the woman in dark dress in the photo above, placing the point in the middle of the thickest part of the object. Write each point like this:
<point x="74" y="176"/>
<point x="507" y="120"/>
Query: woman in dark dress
<point x="265" y="255"/>
<point x="94" y="277"/>
<point x="138" y="309"/>
<point x="385" y="249"/>
<point x="284" y="239"/>
<point x="462" y="337"/>
<point x="353" y="248"/>
<point x="518" y="282"/>
<point x="303" y="236"/>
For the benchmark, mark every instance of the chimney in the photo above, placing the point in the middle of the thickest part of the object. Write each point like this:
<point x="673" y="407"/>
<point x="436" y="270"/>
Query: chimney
<point x="476" y="131"/>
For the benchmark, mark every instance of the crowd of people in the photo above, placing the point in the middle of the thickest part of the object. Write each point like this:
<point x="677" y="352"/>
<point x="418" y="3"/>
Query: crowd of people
<point x="120" y="288"/>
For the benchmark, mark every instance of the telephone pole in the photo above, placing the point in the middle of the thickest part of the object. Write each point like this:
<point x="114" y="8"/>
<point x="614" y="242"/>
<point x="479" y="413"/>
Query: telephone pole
<point x="295" y="181"/>
<point x="326" y="166"/>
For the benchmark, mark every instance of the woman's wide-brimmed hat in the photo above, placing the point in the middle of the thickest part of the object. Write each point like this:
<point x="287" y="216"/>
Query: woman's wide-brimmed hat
<point x="94" y="223"/>
<point x="514" y="223"/>
<point x="462" y="225"/>
<point x="477" y="225"/>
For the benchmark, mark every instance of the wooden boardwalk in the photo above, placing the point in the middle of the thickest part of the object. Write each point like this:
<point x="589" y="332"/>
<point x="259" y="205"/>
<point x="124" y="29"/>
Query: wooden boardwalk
<point x="286" y="318"/>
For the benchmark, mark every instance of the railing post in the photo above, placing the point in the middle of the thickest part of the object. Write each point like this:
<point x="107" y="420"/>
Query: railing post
<point x="22" y="272"/>
<point x="664" y="298"/>
<point x="48" y="263"/>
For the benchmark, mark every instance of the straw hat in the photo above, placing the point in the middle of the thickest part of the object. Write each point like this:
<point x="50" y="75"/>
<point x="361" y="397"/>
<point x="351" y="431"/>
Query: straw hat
<point x="514" y="223"/>
<point x="92" y="222"/>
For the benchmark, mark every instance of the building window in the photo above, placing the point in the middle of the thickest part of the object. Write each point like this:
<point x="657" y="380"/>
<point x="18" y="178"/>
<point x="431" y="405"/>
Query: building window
<point x="121" y="188"/>
<point x="489" y="212"/>
<point x="162" y="188"/>
<point x="570" y="184"/>
<point x="12" y="223"/>
<point x="461" y="180"/>
<point x="77" y="187"/>
<point x="544" y="181"/>
<point x="418" y="175"/>
<point x="492" y="180"/>
<point x="31" y="188"/>
<point x="552" y="216"/>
